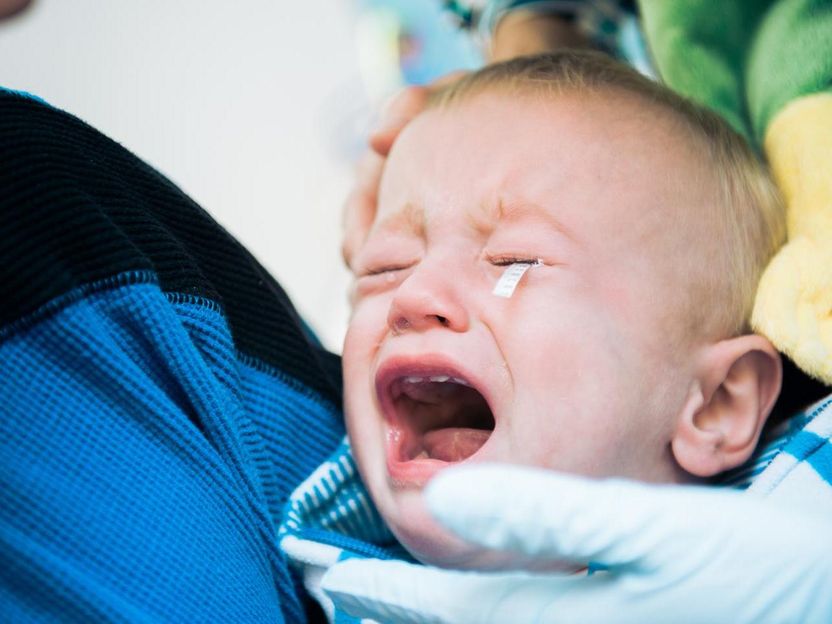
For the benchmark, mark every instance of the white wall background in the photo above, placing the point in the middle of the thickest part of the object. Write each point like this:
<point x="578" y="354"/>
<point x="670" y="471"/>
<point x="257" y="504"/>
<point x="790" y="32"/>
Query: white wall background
<point x="238" y="102"/>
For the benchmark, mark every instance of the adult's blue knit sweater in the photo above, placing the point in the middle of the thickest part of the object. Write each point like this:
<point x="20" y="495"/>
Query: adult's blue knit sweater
<point x="159" y="396"/>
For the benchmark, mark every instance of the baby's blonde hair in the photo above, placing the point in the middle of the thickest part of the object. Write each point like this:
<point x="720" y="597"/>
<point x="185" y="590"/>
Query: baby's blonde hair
<point x="749" y="222"/>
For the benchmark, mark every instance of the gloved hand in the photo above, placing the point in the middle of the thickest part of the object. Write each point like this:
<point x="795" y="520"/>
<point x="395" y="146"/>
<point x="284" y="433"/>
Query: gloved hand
<point x="674" y="554"/>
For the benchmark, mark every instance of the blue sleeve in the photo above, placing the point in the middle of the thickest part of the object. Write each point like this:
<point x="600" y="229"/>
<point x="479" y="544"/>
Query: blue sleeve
<point x="160" y="399"/>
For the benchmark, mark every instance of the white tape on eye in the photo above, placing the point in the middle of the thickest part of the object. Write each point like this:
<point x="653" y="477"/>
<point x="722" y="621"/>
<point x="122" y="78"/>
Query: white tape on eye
<point x="510" y="278"/>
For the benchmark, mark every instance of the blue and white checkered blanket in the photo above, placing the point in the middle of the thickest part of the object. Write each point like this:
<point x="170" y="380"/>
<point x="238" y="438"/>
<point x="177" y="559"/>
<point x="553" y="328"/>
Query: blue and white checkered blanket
<point x="330" y="517"/>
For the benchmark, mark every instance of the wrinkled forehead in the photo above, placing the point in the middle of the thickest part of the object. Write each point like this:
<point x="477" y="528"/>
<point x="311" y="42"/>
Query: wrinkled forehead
<point x="589" y="160"/>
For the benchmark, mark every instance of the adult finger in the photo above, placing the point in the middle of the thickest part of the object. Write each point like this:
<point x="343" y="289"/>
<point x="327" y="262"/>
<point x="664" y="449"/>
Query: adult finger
<point x="394" y="591"/>
<point x="360" y="205"/>
<point x="403" y="107"/>
<point x="545" y="516"/>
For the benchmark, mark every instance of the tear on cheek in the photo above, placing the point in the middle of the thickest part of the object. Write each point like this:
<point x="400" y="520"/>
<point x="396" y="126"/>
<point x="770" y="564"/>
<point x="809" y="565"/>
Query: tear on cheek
<point x="510" y="278"/>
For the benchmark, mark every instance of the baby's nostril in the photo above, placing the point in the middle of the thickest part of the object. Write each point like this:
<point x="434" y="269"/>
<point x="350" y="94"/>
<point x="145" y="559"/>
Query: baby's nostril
<point x="442" y="320"/>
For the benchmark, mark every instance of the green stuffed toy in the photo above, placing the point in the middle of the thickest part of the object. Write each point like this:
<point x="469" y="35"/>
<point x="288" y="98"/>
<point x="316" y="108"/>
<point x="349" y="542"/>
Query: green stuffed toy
<point x="766" y="66"/>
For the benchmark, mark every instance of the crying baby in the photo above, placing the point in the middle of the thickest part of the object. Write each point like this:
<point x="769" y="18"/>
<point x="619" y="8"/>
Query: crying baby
<point x="636" y="226"/>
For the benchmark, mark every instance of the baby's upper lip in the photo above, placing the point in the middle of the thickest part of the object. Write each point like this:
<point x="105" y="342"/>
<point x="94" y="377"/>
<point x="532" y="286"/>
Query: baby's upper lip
<point x="425" y="365"/>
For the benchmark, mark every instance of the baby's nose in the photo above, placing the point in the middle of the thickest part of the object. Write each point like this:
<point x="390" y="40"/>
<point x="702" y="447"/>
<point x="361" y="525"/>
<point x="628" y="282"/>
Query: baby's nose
<point x="428" y="299"/>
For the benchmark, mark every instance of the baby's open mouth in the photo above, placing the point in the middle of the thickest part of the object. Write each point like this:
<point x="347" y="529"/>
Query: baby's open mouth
<point x="439" y="416"/>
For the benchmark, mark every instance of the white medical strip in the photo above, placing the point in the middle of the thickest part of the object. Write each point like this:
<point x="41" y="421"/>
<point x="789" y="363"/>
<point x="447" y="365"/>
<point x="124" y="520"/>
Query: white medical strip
<point x="510" y="278"/>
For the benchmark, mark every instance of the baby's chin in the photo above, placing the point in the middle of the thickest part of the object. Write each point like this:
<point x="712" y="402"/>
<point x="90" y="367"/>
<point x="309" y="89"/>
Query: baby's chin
<point x="432" y="545"/>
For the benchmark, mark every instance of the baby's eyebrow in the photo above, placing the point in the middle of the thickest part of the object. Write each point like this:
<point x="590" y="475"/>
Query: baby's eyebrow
<point x="513" y="209"/>
<point x="410" y="219"/>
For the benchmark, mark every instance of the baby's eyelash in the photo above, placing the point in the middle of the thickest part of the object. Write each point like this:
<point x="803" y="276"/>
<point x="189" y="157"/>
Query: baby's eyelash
<point x="382" y="270"/>
<point x="509" y="260"/>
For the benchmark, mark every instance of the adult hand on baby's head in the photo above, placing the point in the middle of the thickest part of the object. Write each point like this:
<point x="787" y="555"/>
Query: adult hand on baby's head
<point x="672" y="553"/>
<point x="518" y="33"/>
<point x="360" y="206"/>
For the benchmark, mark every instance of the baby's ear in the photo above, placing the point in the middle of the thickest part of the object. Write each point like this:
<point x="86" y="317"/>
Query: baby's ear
<point x="737" y="383"/>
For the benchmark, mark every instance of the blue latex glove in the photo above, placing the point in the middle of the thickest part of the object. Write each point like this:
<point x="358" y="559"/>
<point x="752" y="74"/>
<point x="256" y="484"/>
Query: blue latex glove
<point x="675" y="554"/>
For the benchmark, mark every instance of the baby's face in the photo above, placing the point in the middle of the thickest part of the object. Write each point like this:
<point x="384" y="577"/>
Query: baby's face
<point x="574" y="371"/>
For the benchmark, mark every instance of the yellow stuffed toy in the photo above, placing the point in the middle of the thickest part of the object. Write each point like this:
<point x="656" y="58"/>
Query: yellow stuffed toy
<point x="766" y="66"/>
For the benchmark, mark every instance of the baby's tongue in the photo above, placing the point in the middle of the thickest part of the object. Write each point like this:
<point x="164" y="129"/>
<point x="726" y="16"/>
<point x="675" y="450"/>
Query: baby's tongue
<point x="453" y="444"/>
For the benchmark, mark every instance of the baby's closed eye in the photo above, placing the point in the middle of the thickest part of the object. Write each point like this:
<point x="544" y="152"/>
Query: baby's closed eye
<point x="386" y="268"/>
<point x="507" y="260"/>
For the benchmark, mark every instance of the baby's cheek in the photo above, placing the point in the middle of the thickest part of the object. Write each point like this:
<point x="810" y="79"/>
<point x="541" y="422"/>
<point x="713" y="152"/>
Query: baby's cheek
<point x="356" y="369"/>
<point x="367" y="326"/>
<point x="551" y="340"/>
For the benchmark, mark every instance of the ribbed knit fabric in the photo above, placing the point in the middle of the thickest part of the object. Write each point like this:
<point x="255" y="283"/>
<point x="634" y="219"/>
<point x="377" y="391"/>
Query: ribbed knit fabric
<point x="77" y="208"/>
<point x="159" y="397"/>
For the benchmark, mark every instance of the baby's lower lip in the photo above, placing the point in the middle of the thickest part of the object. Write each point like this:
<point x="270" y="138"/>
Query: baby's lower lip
<point x="414" y="473"/>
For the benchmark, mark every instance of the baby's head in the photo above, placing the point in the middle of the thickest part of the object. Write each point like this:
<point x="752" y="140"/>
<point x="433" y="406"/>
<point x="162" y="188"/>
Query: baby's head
<point x="624" y="350"/>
